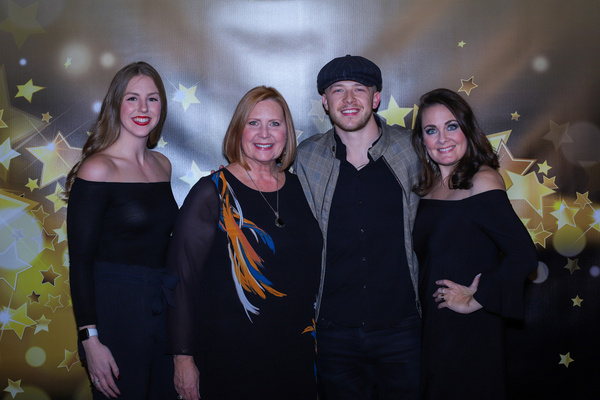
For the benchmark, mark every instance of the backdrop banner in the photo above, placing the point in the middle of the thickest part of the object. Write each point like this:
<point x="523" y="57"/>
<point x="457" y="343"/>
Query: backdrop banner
<point x="530" y="69"/>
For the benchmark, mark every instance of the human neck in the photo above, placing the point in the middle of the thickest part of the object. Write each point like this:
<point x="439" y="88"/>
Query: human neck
<point x="359" y="142"/>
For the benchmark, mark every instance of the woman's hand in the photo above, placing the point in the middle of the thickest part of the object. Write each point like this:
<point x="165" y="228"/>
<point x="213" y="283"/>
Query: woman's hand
<point x="187" y="381"/>
<point x="101" y="367"/>
<point x="457" y="298"/>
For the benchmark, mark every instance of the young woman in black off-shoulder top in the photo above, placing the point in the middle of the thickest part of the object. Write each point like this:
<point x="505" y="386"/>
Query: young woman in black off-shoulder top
<point x="120" y="215"/>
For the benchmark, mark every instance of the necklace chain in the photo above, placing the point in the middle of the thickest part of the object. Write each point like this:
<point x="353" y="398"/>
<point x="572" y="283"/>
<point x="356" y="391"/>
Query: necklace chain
<point x="278" y="221"/>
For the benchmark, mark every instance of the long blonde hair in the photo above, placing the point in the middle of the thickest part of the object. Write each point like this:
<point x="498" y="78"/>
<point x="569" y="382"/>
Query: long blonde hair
<point x="107" y="127"/>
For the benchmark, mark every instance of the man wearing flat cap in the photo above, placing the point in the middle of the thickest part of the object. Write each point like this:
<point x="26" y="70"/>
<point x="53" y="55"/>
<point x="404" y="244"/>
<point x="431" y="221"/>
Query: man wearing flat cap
<point x="358" y="178"/>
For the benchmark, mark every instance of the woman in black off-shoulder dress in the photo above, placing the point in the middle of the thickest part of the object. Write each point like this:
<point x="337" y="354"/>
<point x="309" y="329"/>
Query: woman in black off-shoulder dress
<point x="120" y="215"/>
<point x="474" y="254"/>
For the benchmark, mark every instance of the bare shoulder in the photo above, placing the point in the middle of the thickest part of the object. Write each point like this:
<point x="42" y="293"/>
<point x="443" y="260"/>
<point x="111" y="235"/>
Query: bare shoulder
<point x="163" y="161"/>
<point x="99" y="167"/>
<point x="487" y="179"/>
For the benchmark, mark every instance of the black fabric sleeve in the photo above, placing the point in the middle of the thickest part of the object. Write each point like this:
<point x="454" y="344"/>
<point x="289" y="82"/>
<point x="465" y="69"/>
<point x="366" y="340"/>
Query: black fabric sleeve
<point x="189" y="250"/>
<point x="86" y="208"/>
<point x="501" y="289"/>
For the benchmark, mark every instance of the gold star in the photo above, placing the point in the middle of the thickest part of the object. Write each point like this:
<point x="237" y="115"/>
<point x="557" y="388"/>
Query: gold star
<point x="510" y="163"/>
<point x="395" y="115"/>
<point x="186" y="96"/>
<point x="549" y="182"/>
<point x="27" y="90"/>
<point x="34" y="297"/>
<point x="577" y="301"/>
<point x="514" y="116"/>
<point x="193" y="175"/>
<point x="21" y="22"/>
<point x="565" y="359"/>
<point x="11" y="265"/>
<point x="39" y="214"/>
<point x="20" y="124"/>
<point x="539" y="235"/>
<point x="32" y="184"/>
<point x="44" y="240"/>
<point x="572" y="265"/>
<point x="558" y="134"/>
<point x="565" y="215"/>
<point x="49" y="276"/>
<point x="15" y="320"/>
<point x="528" y="188"/>
<point x="496" y="139"/>
<point x="46" y="117"/>
<point x="57" y="157"/>
<point x="57" y="197"/>
<point x="161" y="143"/>
<point x="62" y="232"/>
<point x="583" y="200"/>
<point x="68" y="63"/>
<point x="42" y="324"/>
<point x="53" y="302"/>
<point x="71" y="358"/>
<point x="6" y="154"/>
<point x="467" y="85"/>
<point x="13" y="387"/>
<point x="544" y="168"/>
<point x="461" y="44"/>
<point x="2" y="123"/>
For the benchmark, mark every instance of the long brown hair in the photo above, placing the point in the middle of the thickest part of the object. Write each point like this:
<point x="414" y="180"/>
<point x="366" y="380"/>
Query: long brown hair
<point x="479" y="150"/>
<point x="232" y="143"/>
<point x="107" y="127"/>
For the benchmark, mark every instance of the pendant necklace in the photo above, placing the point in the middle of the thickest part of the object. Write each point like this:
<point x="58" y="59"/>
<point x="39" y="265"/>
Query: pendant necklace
<point x="278" y="221"/>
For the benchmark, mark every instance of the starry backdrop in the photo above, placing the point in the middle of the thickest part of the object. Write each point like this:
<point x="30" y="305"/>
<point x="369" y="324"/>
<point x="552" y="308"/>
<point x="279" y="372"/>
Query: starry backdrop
<point x="529" y="68"/>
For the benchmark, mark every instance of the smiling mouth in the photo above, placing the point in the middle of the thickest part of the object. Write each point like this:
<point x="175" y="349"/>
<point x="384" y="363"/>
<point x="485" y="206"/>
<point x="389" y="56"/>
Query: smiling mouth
<point x="352" y="111"/>
<point x="142" y="121"/>
<point x="446" y="149"/>
<point x="263" y="146"/>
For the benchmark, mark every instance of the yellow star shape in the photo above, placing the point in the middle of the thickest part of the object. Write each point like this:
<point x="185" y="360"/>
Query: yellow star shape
<point x="11" y="266"/>
<point x="565" y="215"/>
<point x="539" y="235"/>
<point x="68" y="63"/>
<point x="27" y="90"/>
<point x="514" y="116"/>
<point x="186" y="96"/>
<point x="20" y="124"/>
<point x="44" y="240"/>
<point x="46" y="117"/>
<point x="161" y="143"/>
<point x="558" y="134"/>
<point x="317" y="109"/>
<point x="21" y="22"/>
<point x="2" y="123"/>
<point x="565" y="359"/>
<point x="461" y="43"/>
<point x="34" y="297"/>
<point x="42" y="324"/>
<point x="49" y="276"/>
<point x="572" y="265"/>
<point x="583" y="200"/>
<point x="39" y="214"/>
<point x="528" y="188"/>
<point x="32" y="184"/>
<point x="394" y="115"/>
<point x="61" y="232"/>
<point x="53" y="302"/>
<point x="508" y="162"/>
<point x="15" y="320"/>
<point x="57" y="157"/>
<point x="13" y="387"/>
<point x="7" y="154"/>
<point x="466" y="85"/>
<point x="57" y="197"/>
<point x="71" y="358"/>
<point x="544" y="168"/>
<point x="549" y="182"/>
<point x="577" y="301"/>
<point x="193" y="175"/>
<point x="496" y="139"/>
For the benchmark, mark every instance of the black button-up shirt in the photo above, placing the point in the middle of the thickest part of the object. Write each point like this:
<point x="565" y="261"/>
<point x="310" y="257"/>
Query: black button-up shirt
<point x="367" y="281"/>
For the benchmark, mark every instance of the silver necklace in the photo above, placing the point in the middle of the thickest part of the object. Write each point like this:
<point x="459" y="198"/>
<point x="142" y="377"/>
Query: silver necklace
<point x="278" y="221"/>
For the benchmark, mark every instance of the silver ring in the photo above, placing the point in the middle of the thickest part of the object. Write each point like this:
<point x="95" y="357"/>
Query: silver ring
<point x="180" y="397"/>
<point x="97" y="381"/>
<point x="442" y="290"/>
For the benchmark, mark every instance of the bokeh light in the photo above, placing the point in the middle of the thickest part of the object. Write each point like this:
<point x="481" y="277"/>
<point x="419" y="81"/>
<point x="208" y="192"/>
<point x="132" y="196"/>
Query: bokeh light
<point x="35" y="356"/>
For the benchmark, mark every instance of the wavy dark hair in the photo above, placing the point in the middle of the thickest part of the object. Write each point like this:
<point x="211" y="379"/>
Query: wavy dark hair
<point x="479" y="150"/>
<point x="232" y="142"/>
<point x="107" y="127"/>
